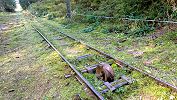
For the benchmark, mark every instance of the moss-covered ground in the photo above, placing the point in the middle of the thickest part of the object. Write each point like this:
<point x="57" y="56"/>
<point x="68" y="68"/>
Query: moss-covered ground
<point x="29" y="69"/>
<point x="143" y="87"/>
<point x="154" y="53"/>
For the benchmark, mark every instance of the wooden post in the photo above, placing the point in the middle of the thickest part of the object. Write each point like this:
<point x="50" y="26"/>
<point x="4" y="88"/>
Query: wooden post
<point x="68" y="6"/>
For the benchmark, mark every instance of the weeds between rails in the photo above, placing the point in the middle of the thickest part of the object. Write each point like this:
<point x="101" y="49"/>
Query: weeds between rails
<point x="90" y="77"/>
<point x="124" y="63"/>
<point x="121" y="79"/>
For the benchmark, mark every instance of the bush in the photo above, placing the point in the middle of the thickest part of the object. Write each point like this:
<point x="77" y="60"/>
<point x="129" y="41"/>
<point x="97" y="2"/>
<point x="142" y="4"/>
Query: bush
<point x="151" y="9"/>
<point x="26" y="3"/>
<point x="49" y="8"/>
<point x="140" y="29"/>
<point x="7" y="5"/>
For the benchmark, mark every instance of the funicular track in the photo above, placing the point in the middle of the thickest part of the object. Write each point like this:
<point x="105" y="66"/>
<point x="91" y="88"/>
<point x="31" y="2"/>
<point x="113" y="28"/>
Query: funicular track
<point x="91" y="68"/>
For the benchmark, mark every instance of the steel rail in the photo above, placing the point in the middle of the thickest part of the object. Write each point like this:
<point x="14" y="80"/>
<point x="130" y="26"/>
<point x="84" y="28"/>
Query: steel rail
<point x="98" y="95"/>
<point x="128" y="65"/>
<point x="124" y="63"/>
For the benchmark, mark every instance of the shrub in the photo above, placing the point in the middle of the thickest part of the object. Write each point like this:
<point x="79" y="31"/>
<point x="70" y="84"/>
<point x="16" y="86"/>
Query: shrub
<point x="126" y="8"/>
<point x="50" y="8"/>
<point x="7" y="5"/>
<point x="26" y="3"/>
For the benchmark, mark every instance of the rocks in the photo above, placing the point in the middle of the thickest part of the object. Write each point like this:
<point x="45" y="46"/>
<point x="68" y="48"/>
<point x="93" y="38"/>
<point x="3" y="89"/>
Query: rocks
<point x="147" y="63"/>
<point x="11" y="90"/>
<point x="136" y="53"/>
<point x="76" y="97"/>
<point x="3" y="27"/>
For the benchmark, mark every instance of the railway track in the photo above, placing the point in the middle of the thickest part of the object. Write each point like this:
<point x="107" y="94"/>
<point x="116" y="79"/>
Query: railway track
<point x="123" y="80"/>
<point x="90" y="68"/>
<point x="125" y="64"/>
<point x="92" y="57"/>
<point x="71" y="66"/>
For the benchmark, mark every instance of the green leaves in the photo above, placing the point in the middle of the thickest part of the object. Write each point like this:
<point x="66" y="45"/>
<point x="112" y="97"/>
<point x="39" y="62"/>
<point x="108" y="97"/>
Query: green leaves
<point x="120" y="8"/>
<point x="7" y="5"/>
<point x="26" y="3"/>
<point x="91" y="28"/>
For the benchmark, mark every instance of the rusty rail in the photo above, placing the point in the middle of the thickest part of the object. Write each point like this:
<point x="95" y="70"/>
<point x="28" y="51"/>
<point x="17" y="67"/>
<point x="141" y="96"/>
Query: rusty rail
<point x="164" y="83"/>
<point x="98" y="95"/>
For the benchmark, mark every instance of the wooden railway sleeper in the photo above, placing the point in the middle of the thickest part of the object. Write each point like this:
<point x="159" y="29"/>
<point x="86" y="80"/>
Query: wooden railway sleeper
<point x="60" y="38"/>
<point x="68" y="44"/>
<point x="112" y="86"/>
<point x="84" y="56"/>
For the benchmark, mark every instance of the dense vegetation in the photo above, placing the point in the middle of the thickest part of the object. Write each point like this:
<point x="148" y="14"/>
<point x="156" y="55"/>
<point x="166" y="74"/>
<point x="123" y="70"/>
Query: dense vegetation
<point x="149" y="46"/>
<point x="26" y="3"/>
<point x="149" y="9"/>
<point x="49" y="8"/>
<point x="7" y="5"/>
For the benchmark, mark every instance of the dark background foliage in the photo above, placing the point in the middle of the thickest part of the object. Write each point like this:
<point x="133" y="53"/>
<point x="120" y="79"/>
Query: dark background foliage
<point x="26" y="3"/>
<point x="7" y="5"/>
<point x="149" y="9"/>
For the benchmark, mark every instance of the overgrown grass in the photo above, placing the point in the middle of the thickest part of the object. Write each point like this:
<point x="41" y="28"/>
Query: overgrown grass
<point x="130" y="51"/>
<point x="127" y="41"/>
<point x="5" y="17"/>
<point x="135" y="50"/>
<point x="34" y="71"/>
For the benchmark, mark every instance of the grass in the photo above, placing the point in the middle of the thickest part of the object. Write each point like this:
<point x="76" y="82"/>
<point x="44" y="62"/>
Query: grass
<point x="33" y="71"/>
<point x="5" y="17"/>
<point x="137" y="51"/>
<point x="36" y="72"/>
<point x="143" y="86"/>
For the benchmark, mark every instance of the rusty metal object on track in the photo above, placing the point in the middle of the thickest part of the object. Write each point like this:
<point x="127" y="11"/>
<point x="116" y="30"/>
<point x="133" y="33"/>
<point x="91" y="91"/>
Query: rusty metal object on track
<point x="105" y="72"/>
<point x="97" y="94"/>
<point x="124" y="64"/>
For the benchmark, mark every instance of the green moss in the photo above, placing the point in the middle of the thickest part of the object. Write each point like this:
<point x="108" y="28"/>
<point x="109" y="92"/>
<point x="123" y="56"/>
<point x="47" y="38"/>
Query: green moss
<point x="142" y="85"/>
<point x="49" y="70"/>
<point x="34" y="71"/>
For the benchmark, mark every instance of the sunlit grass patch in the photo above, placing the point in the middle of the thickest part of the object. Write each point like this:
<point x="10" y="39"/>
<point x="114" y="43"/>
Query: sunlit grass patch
<point x="136" y="51"/>
<point x="35" y="71"/>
